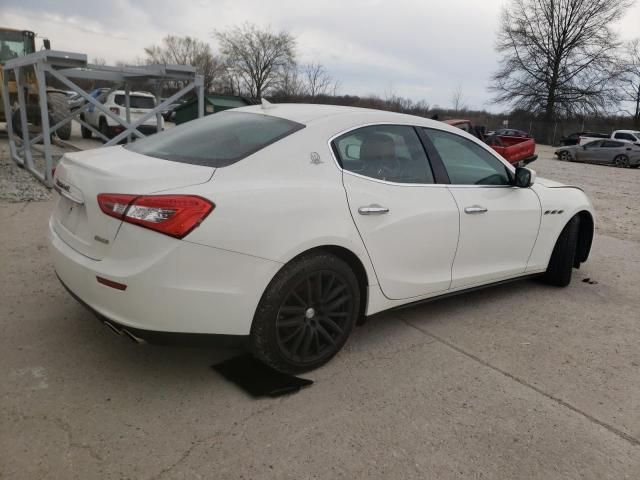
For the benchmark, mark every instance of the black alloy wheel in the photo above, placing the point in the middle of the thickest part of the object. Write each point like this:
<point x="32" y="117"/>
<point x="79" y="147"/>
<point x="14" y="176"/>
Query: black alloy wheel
<point x="306" y="313"/>
<point x="314" y="317"/>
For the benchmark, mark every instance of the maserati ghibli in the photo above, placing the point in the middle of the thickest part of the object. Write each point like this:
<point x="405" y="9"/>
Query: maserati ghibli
<point x="283" y="226"/>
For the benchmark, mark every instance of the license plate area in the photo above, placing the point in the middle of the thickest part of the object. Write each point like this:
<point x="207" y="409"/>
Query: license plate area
<point x="70" y="214"/>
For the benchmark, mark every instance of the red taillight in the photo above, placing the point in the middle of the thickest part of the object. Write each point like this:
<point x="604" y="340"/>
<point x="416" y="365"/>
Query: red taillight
<point x="174" y="215"/>
<point x="115" y="110"/>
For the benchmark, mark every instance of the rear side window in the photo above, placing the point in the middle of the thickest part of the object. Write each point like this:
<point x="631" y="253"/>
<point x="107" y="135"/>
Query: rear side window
<point x="609" y="144"/>
<point x="217" y="140"/>
<point x="136" y="101"/>
<point x="385" y="152"/>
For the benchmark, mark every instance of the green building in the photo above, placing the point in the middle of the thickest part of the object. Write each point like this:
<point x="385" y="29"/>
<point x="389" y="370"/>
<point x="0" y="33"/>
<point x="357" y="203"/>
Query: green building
<point x="212" y="104"/>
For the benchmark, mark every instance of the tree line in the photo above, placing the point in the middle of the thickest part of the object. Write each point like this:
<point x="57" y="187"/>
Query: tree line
<point x="252" y="62"/>
<point x="559" y="59"/>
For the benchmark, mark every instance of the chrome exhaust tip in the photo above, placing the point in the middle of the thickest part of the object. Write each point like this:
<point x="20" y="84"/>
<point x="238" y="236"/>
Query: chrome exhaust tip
<point x="112" y="327"/>
<point x="132" y="337"/>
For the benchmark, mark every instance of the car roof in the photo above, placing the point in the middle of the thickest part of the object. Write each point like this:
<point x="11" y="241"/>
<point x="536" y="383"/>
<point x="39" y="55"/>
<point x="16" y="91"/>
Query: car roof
<point x="310" y="113"/>
<point x="139" y="94"/>
<point x="635" y="132"/>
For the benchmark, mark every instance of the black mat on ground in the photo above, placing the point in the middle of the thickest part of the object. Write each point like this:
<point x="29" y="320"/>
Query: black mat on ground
<point x="258" y="379"/>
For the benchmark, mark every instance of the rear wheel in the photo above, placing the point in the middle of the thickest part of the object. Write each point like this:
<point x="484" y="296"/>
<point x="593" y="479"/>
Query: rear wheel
<point x="306" y="313"/>
<point x="104" y="128"/>
<point x="621" y="161"/>
<point x="86" y="133"/>
<point x="16" y="122"/>
<point x="560" y="265"/>
<point x="59" y="109"/>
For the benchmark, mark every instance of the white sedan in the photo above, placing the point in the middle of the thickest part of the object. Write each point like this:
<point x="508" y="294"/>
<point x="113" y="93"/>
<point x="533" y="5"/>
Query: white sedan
<point x="283" y="226"/>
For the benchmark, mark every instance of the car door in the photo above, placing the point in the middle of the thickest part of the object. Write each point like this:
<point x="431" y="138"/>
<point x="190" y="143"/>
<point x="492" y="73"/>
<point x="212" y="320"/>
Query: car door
<point x="609" y="150"/>
<point x="589" y="152"/>
<point x="498" y="222"/>
<point x="408" y="223"/>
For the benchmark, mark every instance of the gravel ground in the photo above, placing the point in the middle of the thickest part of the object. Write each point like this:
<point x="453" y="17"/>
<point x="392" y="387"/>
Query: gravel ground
<point x="520" y="381"/>
<point x="17" y="184"/>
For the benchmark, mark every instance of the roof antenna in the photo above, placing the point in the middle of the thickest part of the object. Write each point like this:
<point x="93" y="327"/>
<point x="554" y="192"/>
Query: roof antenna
<point x="266" y="104"/>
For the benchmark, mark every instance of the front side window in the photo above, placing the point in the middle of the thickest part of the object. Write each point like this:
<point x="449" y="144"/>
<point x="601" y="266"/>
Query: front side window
<point x="466" y="162"/>
<point x="595" y="144"/>
<point x="385" y="152"/>
<point x="216" y="140"/>
<point x="14" y="44"/>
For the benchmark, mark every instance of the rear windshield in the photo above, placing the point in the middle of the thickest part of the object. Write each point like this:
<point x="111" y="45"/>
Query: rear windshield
<point x="136" y="101"/>
<point x="217" y="140"/>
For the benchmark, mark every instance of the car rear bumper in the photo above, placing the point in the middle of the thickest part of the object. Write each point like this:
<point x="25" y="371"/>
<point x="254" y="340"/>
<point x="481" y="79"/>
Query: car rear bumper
<point x="185" y="288"/>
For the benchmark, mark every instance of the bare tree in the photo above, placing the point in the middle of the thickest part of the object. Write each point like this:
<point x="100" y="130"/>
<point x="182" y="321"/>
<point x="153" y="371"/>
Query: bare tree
<point x="630" y="80"/>
<point x="187" y="51"/>
<point x="257" y="57"/>
<point x="316" y="79"/>
<point x="457" y="99"/>
<point x="290" y="84"/>
<point x="558" y="56"/>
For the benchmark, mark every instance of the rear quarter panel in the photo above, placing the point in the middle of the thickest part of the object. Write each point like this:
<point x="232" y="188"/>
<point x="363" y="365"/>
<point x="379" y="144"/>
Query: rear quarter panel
<point x="280" y="202"/>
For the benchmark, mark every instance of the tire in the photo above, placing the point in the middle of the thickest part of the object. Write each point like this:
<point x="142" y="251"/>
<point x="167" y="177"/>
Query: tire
<point x="565" y="157"/>
<point x="306" y="313"/>
<point x="86" y="133"/>
<point x="104" y="129"/>
<point x="621" y="161"/>
<point x="560" y="265"/>
<point x="16" y="123"/>
<point x="59" y="109"/>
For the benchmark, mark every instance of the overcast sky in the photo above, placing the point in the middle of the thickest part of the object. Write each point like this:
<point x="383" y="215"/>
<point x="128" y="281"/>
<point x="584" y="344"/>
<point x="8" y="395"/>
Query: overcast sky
<point x="413" y="48"/>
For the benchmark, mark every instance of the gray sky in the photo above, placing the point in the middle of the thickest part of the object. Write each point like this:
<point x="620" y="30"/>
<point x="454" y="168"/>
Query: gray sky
<point x="421" y="49"/>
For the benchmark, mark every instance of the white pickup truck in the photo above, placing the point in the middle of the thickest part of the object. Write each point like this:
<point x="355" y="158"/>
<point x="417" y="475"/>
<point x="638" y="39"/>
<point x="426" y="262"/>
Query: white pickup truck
<point x="140" y="103"/>
<point x="626" y="135"/>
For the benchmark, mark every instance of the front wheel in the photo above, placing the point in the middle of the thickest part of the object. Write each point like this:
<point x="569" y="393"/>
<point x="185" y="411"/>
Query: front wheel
<point x="562" y="259"/>
<point x="306" y="313"/>
<point x="58" y="110"/>
<point x="565" y="157"/>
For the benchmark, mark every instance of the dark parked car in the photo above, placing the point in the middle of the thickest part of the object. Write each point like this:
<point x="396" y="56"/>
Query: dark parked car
<point x="574" y="138"/>
<point x="511" y="132"/>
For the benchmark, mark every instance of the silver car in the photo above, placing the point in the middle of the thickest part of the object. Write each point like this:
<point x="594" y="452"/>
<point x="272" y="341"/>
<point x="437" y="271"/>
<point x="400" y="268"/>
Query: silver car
<point x="619" y="153"/>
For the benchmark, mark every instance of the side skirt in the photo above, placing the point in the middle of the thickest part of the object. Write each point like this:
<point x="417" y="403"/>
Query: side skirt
<point x="466" y="290"/>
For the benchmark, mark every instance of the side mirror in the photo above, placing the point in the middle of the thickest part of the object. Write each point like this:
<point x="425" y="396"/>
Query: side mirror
<point x="524" y="177"/>
<point x="46" y="43"/>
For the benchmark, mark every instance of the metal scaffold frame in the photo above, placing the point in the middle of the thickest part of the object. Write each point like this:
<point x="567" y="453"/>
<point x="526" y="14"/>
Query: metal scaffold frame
<point x="64" y="66"/>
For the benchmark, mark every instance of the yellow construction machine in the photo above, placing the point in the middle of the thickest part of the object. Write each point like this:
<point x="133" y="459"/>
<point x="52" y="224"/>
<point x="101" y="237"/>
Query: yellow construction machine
<point x="17" y="43"/>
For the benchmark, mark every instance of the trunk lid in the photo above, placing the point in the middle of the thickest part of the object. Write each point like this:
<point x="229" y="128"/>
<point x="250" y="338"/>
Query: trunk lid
<point x="81" y="176"/>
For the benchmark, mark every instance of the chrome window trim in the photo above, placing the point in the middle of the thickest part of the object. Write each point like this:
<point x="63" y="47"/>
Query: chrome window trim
<point x="413" y="125"/>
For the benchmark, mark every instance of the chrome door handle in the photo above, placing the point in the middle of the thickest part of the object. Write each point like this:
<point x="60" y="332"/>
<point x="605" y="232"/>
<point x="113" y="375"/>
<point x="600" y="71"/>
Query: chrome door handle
<point x="475" y="209"/>
<point x="373" y="209"/>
